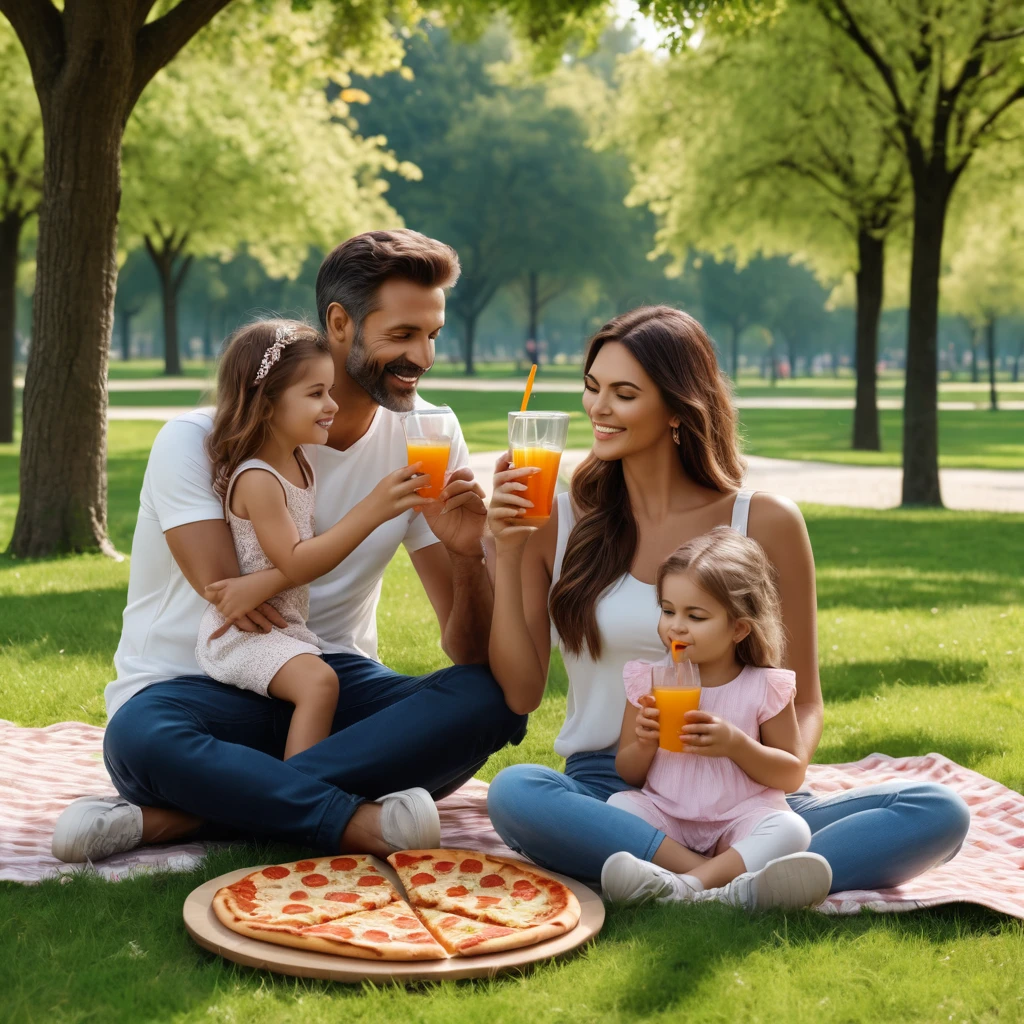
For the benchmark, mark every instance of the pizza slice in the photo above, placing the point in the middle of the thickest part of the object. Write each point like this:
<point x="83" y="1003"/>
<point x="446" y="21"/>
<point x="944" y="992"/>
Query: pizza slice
<point x="393" y="932"/>
<point x="488" y="890"/>
<point x="462" y="936"/>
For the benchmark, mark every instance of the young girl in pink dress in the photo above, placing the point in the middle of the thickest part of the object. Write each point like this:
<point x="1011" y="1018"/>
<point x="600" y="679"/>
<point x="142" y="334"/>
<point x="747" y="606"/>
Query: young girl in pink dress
<point x="718" y="596"/>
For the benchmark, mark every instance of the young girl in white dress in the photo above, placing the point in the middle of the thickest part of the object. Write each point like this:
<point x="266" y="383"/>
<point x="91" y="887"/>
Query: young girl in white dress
<point x="718" y="597"/>
<point x="274" y="395"/>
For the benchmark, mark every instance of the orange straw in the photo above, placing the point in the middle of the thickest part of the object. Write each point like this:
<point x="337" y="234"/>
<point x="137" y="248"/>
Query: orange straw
<point x="529" y="387"/>
<point x="678" y="650"/>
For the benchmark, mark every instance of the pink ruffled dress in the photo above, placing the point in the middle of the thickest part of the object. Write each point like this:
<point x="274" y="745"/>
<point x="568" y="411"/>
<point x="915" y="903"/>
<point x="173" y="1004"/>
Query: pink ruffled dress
<point x="709" y="803"/>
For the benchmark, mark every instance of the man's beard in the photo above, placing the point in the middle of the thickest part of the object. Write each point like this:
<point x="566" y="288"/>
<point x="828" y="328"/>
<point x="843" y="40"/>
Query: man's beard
<point x="372" y="378"/>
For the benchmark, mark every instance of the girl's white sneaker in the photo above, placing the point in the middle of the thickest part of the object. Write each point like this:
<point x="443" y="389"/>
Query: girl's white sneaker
<point x="409" y="820"/>
<point x="96" y="827"/>
<point x="627" y="879"/>
<point x="798" y="880"/>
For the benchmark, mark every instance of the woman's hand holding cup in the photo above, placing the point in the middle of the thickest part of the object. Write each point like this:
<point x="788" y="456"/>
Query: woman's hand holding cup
<point x="507" y="506"/>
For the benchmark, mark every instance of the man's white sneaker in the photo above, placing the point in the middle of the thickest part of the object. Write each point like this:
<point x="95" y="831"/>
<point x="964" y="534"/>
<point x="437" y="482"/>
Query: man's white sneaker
<point x="627" y="879"/>
<point x="409" y="820"/>
<point x="96" y="827"/>
<point x="798" y="880"/>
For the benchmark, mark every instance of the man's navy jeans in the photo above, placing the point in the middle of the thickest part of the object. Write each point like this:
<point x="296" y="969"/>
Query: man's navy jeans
<point x="214" y="751"/>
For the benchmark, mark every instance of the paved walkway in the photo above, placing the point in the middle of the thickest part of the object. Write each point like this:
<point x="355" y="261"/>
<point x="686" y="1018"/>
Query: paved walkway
<point x="570" y="387"/>
<point x="830" y="483"/>
<point x="827" y="483"/>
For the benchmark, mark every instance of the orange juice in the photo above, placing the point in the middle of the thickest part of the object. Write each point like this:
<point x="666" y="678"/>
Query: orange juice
<point x="434" y="456"/>
<point x="672" y="703"/>
<point x="540" y="488"/>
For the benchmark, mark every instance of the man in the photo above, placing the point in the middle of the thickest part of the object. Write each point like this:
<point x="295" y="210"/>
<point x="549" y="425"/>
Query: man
<point x="182" y="749"/>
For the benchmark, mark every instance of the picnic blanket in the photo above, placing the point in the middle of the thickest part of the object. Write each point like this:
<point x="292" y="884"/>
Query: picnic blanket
<point x="43" y="770"/>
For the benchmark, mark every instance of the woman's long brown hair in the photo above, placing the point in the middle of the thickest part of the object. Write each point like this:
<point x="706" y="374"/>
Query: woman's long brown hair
<point x="678" y="356"/>
<point x="241" y="425"/>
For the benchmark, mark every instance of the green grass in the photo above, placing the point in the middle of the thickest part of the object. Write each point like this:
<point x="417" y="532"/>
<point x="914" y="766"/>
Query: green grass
<point x="920" y="634"/>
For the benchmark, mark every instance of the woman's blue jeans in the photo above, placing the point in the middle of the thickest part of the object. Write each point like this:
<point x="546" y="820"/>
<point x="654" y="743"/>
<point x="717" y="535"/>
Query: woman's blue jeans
<point x="874" y="837"/>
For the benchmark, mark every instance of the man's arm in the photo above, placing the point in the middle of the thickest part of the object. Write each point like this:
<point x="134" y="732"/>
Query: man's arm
<point x="205" y="553"/>
<point x="460" y="593"/>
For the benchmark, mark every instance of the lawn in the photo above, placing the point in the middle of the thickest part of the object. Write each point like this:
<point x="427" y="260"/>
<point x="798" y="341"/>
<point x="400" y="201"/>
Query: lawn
<point x="920" y="635"/>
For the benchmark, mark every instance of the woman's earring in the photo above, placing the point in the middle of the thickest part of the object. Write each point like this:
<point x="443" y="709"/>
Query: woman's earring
<point x="675" y="435"/>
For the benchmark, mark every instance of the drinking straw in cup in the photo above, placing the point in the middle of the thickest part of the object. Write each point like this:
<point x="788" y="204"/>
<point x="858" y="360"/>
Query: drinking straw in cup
<point x="428" y="438"/>
<point x="676" y="690"/>
<point x="538" y="439"/>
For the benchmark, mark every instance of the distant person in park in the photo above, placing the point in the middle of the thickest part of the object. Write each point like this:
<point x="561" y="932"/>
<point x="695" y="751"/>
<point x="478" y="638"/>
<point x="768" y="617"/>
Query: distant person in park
<point x="183" y="749"/>
<point x="274" y="389"/>
<point x="665" y="468"/>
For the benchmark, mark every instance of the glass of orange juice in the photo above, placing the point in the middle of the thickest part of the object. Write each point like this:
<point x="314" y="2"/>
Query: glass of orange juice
<point x="428" y="438"/>
<point x="538" y="439"/>
<point x="676" y="690"/>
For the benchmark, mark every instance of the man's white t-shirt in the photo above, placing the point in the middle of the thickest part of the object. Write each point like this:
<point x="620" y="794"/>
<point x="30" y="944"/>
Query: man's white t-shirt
<point x="161" y="620"/>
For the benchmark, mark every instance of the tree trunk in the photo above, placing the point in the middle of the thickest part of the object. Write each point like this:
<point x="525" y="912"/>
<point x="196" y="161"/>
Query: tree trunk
<point x="126" y="316"/>
<point x="172" y="276"/>
<point x="468" y="340"/>
<point x="63" y="503"/>
<point x="10" y="235"/>
<point x="532" y="305"/>
<point x="870" y="275"/>
<point x="976" y="331"/>
<point x="1016" y="361"/>
<point x="990" y="347"/>
<point x="921" y="391"/>
<point x="735" y="345"/>
<point x="791" y="352"/>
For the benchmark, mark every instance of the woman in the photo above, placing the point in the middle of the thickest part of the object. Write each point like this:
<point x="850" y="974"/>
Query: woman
<point x="665" y="467"/>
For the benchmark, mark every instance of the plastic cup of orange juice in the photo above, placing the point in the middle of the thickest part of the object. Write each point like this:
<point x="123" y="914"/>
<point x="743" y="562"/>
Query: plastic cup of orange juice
<point x="428" y="439"/>
<point x="676" y="690"/>
<point x="538" y="439"/>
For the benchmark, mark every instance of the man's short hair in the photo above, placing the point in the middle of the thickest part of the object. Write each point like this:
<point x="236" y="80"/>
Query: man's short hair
<point x="353" y="272"/>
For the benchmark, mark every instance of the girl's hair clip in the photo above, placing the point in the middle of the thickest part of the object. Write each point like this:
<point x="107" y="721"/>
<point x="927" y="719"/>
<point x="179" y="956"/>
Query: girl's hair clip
<point x="282" y="336"/>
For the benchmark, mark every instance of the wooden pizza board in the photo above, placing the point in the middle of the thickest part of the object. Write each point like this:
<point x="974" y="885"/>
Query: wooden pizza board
<point x="203" y="925"/>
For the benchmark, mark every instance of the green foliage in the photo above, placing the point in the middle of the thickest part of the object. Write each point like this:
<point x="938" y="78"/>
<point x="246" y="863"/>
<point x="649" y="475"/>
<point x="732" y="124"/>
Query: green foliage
<point x="21" y="135"/>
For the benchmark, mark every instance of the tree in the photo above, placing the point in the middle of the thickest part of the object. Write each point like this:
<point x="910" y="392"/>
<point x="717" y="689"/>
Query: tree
<point x="218" y="152"/>
<point x="21" y="164"/>
<point x="740" y="156"/>
<point x="91" y="61"/>
<point x="984" y="276"/>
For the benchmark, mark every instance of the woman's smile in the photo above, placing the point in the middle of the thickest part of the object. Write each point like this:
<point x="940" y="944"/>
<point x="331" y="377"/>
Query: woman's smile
<point x="605" y="431"/>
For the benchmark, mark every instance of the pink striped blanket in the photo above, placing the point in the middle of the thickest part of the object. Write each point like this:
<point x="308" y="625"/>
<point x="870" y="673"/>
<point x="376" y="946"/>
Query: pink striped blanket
<point x="43" y="770"/>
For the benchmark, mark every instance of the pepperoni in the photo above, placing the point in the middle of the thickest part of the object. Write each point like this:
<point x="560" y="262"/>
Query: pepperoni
<point x="246" y="889"/>
<point x="417" y="937"/>
<point x="494" y="931"/>
<point x="314" y="881"/>
<point x="299" y="895"/>
<point x="457" y="890"/>
<point x="422" y="879"/>
<point x="376" y="935"/>
<point x="487" y="901"/>
<point x="247" y="905"/>
<point x="342" y="897"/>
<point x="407" y="922"/>
<point x="404" y="860"/>
<point x="449" y="921"/>
<point x="296" y="908"/>
<point x="525" y="892"/>
<point x="492" y="881"/>
<point x="471" y="867"/>
<point x="276" y="872"/>
<point x="370" y="880"/>
<point x="306" y="865"/>
<point x="343" y="864"/>
<point x="442" y="867"/>
<point x="336" y="931"/>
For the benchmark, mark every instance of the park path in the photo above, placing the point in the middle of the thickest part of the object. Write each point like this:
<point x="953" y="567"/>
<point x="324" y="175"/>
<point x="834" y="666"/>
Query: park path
<point x="569" y="387"/>
<point x="826" y="483"/>
<point x="831" y="483"/>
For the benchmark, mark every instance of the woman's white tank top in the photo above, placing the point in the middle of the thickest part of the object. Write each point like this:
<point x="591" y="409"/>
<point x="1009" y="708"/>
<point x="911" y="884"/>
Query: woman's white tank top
<point x="628" y="622"/>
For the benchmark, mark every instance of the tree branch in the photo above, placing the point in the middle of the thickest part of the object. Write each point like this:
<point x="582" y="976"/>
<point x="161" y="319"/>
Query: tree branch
<point x="39" y="26"/>
<point x="158" y="42"/>
<point x="1004" y="37"/>
<point x="972" y="142"/>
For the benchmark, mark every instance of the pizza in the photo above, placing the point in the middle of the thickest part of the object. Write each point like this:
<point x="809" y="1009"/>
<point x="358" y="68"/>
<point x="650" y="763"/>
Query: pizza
<point x="341" y="905"/>
<point x="474" y="903"/>
<point x="460" y="903"/>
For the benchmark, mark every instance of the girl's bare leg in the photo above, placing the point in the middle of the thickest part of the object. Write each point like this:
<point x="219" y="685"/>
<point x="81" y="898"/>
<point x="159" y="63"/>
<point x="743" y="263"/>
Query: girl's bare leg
<point x="161" y="824"/>
<point x="677" y="858"/>
<point x="311" y="685"/>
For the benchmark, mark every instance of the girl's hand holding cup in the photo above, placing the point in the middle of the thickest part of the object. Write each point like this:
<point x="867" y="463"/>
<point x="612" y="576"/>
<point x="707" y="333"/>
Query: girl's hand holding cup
<point x="507" y="505"/>
<point x="397" y="493"/>
<point x="647" y="725"/>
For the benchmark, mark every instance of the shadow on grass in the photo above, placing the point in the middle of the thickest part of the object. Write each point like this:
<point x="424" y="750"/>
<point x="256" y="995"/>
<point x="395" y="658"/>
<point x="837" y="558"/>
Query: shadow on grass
<point x="848" y="681"/>
<point x="905" y="744"/>
<point x="82" y="622"/>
